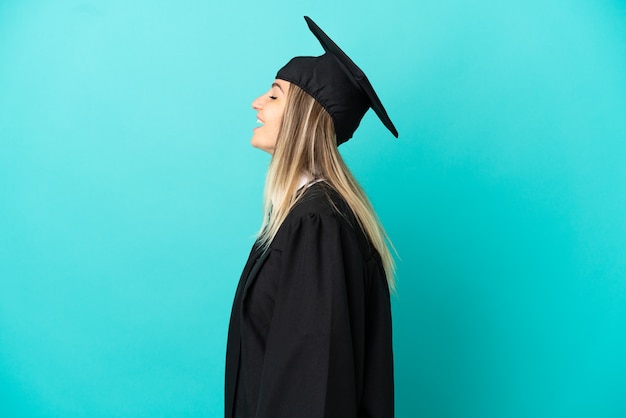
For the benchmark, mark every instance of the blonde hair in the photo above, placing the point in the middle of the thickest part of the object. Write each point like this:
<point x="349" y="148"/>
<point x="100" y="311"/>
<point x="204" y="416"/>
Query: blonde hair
<point x="307" y="144"/>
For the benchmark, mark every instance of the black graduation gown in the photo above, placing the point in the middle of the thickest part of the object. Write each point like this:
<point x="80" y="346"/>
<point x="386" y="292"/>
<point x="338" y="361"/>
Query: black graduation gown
<point x="310" y="328"/>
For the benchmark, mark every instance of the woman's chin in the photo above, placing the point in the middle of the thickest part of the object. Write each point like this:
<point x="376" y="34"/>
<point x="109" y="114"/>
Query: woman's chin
<point x="258" y="143"/>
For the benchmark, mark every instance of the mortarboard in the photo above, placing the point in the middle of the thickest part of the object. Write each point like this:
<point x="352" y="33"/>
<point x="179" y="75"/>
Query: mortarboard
<point x="337" y="84"/>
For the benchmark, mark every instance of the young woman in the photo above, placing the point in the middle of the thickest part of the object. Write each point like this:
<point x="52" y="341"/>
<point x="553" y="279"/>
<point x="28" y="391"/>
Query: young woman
<point x="310" y="329"/>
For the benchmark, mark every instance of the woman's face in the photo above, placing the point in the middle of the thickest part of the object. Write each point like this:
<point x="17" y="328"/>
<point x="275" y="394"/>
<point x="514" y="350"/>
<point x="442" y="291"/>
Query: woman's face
<point x="270" y="107"/>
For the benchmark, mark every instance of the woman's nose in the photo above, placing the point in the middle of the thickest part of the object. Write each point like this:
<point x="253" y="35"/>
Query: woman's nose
<point x="256" y="104"/>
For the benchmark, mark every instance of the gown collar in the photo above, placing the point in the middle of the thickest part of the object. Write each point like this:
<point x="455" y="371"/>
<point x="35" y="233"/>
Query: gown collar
<point x="306" y="181"/>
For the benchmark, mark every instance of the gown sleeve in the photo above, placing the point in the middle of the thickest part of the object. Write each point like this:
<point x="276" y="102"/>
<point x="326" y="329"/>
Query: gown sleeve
<point x="314" y="351"/>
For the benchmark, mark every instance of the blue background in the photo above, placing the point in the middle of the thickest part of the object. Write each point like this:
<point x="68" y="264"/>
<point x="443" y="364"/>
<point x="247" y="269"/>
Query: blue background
<point x="129" y="197"/>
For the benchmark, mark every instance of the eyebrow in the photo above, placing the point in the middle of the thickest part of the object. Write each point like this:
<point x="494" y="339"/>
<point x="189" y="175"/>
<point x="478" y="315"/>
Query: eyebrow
<point x="276" y="85"/>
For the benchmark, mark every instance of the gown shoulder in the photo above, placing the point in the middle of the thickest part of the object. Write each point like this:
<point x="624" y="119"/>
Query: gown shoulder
<point x="321" y="206"/>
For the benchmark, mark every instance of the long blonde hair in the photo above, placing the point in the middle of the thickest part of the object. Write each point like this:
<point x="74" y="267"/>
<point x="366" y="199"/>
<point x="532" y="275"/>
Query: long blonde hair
<point x="306" y="144"/>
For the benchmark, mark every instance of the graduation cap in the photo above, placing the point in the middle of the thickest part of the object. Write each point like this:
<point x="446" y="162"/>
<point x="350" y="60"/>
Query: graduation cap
<point x="337" y="84"/>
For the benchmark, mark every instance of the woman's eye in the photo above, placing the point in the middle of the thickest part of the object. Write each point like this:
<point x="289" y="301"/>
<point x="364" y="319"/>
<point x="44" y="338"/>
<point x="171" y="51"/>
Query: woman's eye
<point x="273" y="97"/>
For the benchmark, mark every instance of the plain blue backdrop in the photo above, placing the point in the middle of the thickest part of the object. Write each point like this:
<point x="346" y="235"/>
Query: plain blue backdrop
<point x="129" y="198"/>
